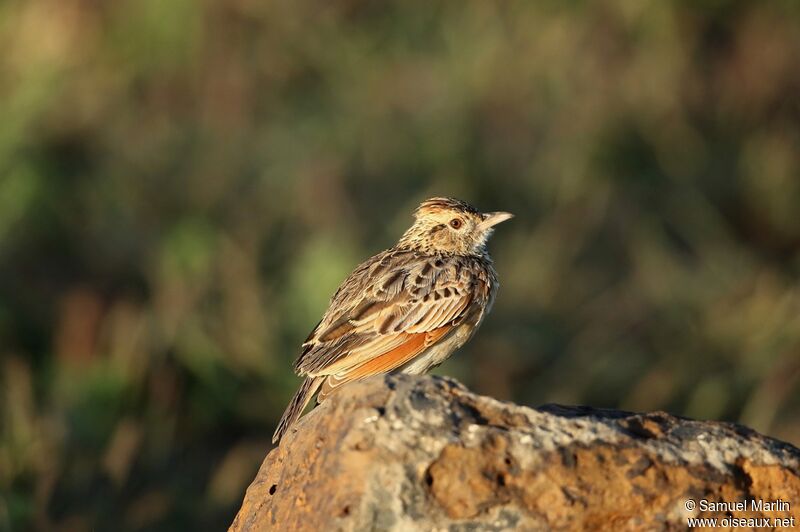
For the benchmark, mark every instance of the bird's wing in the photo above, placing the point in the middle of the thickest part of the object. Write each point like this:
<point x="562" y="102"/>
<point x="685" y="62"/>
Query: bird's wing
<point x="390" y="310"/>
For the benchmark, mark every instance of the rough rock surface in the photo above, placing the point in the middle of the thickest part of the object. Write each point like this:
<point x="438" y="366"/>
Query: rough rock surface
<point x="423" y="453"/>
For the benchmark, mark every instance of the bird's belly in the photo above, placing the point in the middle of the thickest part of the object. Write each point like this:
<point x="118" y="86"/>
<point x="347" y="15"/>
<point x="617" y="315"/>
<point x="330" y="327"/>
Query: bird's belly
<point x="439" y="352"/>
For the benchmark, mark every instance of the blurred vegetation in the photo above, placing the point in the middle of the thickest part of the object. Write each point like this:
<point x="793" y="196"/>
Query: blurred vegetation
<point x="183" y="185"/>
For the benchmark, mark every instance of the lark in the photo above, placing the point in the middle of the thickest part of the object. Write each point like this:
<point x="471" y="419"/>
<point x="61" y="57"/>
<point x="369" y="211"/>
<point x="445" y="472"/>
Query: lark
<point x="407" y="309"/>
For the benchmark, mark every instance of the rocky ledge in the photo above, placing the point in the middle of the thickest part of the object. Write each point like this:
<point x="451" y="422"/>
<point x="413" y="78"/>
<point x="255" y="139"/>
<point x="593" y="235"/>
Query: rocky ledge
<point x="424" y="453"/>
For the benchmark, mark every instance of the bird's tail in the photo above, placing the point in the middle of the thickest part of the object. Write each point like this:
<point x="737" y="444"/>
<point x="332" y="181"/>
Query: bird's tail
<point x="296" y="406"/>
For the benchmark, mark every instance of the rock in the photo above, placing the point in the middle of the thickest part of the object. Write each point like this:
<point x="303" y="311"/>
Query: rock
<point x="423" y="453"/>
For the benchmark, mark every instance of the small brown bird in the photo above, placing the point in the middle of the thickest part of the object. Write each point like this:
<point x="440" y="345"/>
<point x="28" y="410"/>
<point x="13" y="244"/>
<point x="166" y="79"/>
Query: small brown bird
<point x="405" y="309"/>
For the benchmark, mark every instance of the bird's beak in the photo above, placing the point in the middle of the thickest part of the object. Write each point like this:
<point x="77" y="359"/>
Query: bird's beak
<point x="491" y="219"/>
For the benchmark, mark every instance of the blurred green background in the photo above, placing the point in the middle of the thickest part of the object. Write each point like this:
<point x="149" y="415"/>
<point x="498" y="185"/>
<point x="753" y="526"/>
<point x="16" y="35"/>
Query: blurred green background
<point x="184" y="184"/>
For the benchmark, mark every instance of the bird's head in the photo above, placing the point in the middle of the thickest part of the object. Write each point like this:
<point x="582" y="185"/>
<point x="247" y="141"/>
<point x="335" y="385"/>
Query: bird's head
<point x="450" y="227"/>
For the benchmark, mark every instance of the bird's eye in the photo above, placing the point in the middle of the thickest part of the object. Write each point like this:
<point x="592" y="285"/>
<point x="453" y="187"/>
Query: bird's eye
<point x="455" y="223"/>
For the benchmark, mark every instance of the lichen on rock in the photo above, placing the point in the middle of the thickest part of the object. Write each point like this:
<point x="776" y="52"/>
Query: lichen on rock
<point x="423" y="453"/>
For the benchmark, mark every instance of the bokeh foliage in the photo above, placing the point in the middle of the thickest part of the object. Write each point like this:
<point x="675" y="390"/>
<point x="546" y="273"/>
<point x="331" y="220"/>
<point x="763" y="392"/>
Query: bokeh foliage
<point x="183" y="185"/>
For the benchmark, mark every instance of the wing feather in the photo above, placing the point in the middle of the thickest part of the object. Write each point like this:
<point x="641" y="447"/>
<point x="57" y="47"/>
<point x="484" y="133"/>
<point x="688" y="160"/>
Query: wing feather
<point x="388" y="312"/>
<point x="412" y="346"/>
<point x="378" y="345"/>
